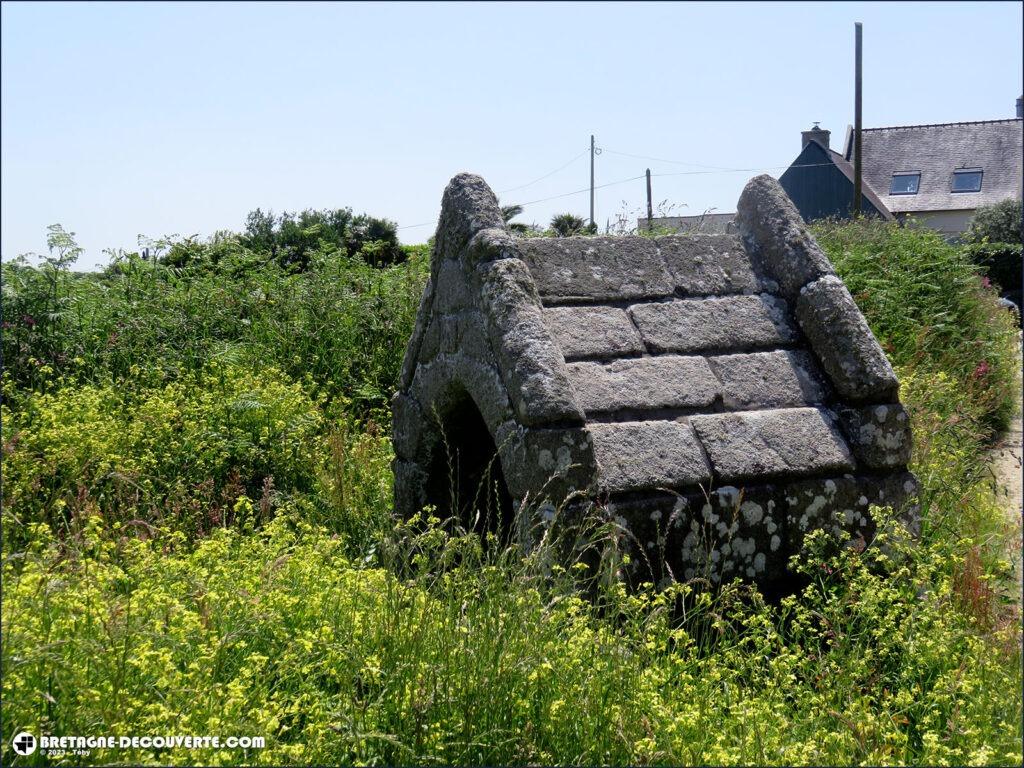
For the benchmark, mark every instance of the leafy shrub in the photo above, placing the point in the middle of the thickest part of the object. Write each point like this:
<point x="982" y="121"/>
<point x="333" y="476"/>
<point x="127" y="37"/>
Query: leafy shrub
<point x="292" y="239"/>
<point x="567" y="225"/>
<point x="335" y="327"/>
<point x="927" y="304"/>
<point x="1001" y="263"/>
<point x="997" y="223"/>
<point x="186" y="451"/>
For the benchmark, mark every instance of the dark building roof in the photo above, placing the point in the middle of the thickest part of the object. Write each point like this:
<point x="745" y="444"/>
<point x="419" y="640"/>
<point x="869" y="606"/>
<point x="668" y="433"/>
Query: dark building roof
<point x="935" y="151"/>
<point x="820" y="184"/>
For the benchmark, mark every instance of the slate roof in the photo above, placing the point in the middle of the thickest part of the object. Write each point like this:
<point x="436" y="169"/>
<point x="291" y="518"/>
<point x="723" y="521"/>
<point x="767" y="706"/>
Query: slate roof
<point x="686" y="377"/>
<point x="935" y="151"/>
<point x="846" y="167"/>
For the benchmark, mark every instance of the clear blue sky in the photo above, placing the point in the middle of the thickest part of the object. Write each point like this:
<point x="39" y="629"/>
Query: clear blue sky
<point x="180" y="118"/>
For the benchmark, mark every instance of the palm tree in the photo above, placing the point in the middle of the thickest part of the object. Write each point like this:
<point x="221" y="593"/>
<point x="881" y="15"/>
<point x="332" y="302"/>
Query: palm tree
<point x="567" y="225"/>
<point x="509" y="212"/>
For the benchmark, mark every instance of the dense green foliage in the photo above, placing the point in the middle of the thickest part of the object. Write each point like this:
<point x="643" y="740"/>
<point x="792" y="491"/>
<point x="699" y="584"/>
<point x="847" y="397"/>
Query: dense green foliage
<point x="996" y="244"/>
<point x="923" y="300"/>
<point x="998" y="223"/>
<point x="336" y="326"/>
<point x="198" y="540"/>
<point x="567" y="225"/>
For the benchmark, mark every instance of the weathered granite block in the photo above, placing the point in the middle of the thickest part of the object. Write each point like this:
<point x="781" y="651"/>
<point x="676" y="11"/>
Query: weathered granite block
<point x="453" y="289"/>
<point x="593" y="332"/>
<point x="841" y="505"/>
<point x="407" y="424"/>
<point x="472" y="340"/>
<point x="772" y="229"/>
<point x="644" y="383"/>
<point x="731" y="322"/>
<point x="410" y="486"/>
<point x="758" y="380"/>
<point x="467" y="207"/>
<point x="879" y="435"/>
<point x="532" y="363"/>
<point x="737" y="532"/>
<point x="596" y="268"/>
<point x="729" y="532"/>
<point x="545" y="463"/>
<point x="708" y="265"/>
<point x="430" y="340"/>
<point x="488" y="245"/>
<point x="841" y="339"/>
<point x="439" y="387"/>
<point x="791" y="441"/>
<point x="645" y="455"/>
<point x="412" y="352"/>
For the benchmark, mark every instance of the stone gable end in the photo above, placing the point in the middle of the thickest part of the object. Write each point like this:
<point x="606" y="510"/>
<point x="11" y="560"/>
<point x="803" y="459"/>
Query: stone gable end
<point x="718" y="395"/>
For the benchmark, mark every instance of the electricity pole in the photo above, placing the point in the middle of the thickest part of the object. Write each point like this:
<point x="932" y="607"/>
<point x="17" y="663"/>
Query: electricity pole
<point x="591" y="182"/>
<point x="857" y="123"/>
<point x="650" y="209"/>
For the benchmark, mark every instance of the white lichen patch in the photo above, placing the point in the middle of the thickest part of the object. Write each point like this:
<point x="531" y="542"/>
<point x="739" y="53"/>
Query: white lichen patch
<point x="546" y="459"/>
<point x="728" y="496"/>
<point x="752" y="513"/>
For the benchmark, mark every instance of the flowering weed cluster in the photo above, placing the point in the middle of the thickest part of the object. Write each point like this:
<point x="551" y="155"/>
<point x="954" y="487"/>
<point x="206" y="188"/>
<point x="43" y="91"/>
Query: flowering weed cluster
<point x="197" y="539"/>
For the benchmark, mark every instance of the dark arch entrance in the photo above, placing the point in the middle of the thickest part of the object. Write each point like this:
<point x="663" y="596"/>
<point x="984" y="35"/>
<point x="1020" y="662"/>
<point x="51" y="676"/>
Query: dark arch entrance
<point x="466" y="480"/>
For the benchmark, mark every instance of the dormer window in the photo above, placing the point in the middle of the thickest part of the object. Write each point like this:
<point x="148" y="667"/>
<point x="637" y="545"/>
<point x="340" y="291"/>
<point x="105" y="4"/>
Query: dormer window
<point x="966" y="180"/>
<point x="905" y="183"/>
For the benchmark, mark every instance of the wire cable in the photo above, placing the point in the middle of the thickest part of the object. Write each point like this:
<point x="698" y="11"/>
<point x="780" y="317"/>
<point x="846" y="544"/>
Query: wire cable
<point x="546" y="175"/>
<point x="581" y="191"/>
<point x="672" y="162"/>
<point x="711" y="170"/>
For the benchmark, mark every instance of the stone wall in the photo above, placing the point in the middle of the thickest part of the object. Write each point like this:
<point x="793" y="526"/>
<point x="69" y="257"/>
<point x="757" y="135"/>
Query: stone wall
<point x="718" y="395"/>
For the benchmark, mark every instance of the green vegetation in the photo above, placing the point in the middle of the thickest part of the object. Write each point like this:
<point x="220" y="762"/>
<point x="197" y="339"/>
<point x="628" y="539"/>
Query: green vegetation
<point x="567" y="225"/>
<point x="996" y="244"/>
<point x="998" y="223"/>
<point x="197" y="540"/>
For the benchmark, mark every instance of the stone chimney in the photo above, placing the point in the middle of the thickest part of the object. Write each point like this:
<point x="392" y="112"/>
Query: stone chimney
<point x="815" y="134"/>
<point x="1020" y="106"/>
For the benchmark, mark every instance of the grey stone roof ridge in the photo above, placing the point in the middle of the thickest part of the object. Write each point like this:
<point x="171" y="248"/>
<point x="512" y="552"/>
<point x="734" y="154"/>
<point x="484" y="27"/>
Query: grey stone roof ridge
<point x="617" y="367"/>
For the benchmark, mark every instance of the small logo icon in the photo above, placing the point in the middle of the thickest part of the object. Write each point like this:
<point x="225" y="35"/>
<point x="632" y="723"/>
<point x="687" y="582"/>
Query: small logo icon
<point x="24" y="743"/>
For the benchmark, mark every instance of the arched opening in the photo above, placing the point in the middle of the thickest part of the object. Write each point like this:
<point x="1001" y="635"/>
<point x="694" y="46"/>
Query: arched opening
<point x="465" y="479"/>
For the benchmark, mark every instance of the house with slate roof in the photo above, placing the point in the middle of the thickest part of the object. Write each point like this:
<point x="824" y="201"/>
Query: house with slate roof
<point x="937" y="174"/>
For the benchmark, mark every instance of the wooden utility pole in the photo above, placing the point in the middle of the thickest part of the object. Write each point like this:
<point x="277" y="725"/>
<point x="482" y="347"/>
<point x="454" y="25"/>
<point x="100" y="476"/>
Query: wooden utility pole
<point x="650" y="209"/>
<point x="592" y="182"/>
<point x="857" y="123"/>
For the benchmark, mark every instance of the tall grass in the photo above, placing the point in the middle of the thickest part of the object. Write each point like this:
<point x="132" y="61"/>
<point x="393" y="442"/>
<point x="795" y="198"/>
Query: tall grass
<point x="198" y="540"/>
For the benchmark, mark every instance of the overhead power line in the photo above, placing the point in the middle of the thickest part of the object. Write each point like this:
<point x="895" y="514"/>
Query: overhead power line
<point x="671" y="162"/>
<point x="711" y="170"/>
<point x="546" y="175"/>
